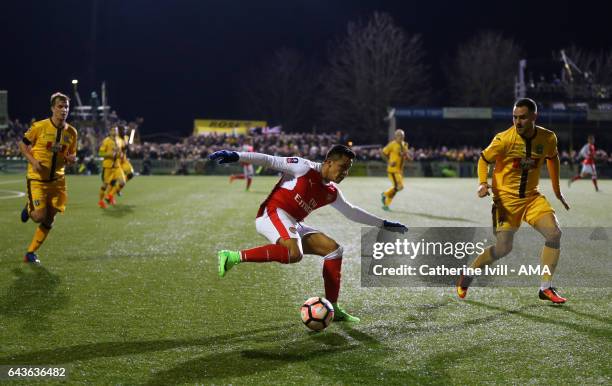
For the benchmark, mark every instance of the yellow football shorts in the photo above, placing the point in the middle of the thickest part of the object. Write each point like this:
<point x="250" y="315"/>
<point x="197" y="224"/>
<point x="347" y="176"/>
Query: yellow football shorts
<point x="397" y="179"/>
<point x="509" y="211"/>
<point x="127" y="168"/>
<point x="112" y="174"/>
<point x="42" y="194"/>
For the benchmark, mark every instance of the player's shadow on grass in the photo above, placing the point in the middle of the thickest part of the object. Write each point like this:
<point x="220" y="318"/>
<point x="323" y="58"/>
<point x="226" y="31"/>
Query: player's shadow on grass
<point x="119" y="210"/>
<point x="425" y="312"/>
<point x="239" y="363"/>
<point x="33" y="295"/>
<point x="356" y="358"/>
<point x="358" y="335"/>
<point x="602" y="319"/>
<point x="593" y="331"/>
<point x="419" y="323"/>
<point x="83" y="352"/>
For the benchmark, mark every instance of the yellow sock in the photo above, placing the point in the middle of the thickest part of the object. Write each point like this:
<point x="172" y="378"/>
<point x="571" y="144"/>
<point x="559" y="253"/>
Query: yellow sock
<point x="39" y="237"/>
<point x="485" y="258"/>
<point x="549" y="257"/>
<point x="102" y="190"/>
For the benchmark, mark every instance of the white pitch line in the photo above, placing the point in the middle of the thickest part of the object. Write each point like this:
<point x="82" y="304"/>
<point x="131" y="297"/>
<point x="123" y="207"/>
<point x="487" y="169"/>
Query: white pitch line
<point x="13" y="194"/>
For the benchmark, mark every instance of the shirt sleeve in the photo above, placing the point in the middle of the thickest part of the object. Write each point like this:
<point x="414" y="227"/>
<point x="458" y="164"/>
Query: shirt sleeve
<point x="551" y="150"/>
<point x="355" y="213"/>
<point x="294" y="166"/>
<point x="387" y="149"/>
<point x="73" y="145"/>
<point x="30" y="136"/>
<point x="104" y="149"/>
<point x="584" y="152"/>
<point x="495" y="149"/>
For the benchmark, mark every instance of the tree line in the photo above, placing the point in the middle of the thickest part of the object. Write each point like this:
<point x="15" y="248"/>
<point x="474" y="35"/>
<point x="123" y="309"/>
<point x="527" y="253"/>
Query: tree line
<point x="376" y="64"/>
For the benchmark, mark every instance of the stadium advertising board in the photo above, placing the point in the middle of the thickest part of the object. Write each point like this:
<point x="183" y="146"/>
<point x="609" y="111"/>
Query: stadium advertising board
<point x="599" y="115"/>
<point x="223" y="126"/>
<point x="467" y="112"/>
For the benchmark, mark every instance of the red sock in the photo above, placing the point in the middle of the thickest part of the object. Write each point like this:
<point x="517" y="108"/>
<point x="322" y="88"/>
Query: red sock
<point x="266" y="253"/>
<point x="575" y="178"/>
<point x="595" y="183"/>
<point x="331" y="278"/>
<point x="249" y="180"/>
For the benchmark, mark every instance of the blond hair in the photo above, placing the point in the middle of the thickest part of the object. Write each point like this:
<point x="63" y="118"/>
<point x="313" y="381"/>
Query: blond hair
<point x="59" y="96"/>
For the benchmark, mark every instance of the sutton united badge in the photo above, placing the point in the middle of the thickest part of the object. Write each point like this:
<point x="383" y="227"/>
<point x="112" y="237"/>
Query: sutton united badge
<point x="539" y="148"/>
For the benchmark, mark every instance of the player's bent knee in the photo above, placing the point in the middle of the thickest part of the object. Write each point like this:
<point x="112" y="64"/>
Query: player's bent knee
<point x="335" y="254"/>
<point x="330" y="246"/>
<point x="38" y="215"/>
<point x="399" y="187"/>
<point x="295" y="253"/>
<point x="501" y="250"/>
<point x="295" y="256"/>
<point x="553" y="238"/>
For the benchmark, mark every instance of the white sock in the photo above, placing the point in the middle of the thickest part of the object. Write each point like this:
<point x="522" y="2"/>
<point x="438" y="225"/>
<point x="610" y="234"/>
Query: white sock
<point x="545" y="284"/>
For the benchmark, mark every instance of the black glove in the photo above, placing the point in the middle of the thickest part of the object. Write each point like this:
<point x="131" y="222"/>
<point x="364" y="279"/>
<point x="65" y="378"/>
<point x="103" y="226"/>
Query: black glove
<point x="224" y="156"/>
<point x="394" y="227"/>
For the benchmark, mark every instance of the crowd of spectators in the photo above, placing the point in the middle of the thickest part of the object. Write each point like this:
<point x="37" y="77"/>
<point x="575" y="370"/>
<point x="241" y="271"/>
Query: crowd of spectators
<point x="311" y="146"/>
<point x="10" y="138"/>
<point x="308" y="145"/>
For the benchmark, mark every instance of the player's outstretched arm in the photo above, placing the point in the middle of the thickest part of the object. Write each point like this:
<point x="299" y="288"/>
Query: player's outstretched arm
<point x="553" y="165"/>
<point x="358" y="215"/>
<point x="290" y="165"/>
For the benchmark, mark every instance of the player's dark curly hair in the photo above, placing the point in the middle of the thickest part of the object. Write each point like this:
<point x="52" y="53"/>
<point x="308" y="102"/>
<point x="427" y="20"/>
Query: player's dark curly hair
<point x="338" y="151"/>
<point x="527" y="102"/>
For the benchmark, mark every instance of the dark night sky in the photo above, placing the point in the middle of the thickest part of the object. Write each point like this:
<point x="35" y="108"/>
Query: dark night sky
<point x="173" y="61"/>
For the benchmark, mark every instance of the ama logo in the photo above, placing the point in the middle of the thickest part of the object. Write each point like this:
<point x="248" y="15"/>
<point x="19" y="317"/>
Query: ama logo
<point x="292" y="160"/>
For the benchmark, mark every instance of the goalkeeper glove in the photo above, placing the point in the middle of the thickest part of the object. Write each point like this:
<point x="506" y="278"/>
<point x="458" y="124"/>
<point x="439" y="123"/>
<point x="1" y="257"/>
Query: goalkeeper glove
<point x="224" y="156"/>
<point x="394" y="227"/>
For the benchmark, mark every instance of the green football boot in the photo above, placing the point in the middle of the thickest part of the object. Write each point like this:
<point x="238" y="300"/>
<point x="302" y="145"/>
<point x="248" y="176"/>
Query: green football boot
<point x="342" y="316"/>
<point x="383" y="199"/>
<point x="227" y="259"/>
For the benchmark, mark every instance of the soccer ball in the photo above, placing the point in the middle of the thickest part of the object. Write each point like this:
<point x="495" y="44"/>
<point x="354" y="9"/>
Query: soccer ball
<point x="317" y="313"/>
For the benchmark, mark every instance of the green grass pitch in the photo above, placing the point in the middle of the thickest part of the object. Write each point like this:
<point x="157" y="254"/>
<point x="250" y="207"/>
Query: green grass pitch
<point x="130" y="295"/>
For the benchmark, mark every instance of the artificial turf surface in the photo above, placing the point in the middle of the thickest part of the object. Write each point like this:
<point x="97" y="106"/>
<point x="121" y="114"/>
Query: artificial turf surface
<point x="130" y="295"/>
